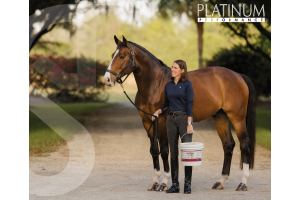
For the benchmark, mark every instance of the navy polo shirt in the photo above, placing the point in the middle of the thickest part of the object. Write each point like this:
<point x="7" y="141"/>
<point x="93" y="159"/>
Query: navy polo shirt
<point x="179" y="97"/>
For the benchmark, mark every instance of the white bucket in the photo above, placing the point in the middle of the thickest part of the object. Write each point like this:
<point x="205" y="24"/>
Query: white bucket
<point x="191" y="152"/>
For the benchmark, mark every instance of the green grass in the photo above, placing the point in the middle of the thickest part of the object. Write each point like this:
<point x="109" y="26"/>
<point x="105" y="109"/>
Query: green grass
<point x="42" y="138"/>
<point x="263" y="127"/>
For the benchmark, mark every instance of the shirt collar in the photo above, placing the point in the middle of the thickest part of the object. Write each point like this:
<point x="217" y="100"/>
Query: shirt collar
<point x="172" y="78"/>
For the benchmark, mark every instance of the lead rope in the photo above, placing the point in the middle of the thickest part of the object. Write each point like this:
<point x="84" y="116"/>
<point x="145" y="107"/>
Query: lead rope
<point x="155" y="125"/>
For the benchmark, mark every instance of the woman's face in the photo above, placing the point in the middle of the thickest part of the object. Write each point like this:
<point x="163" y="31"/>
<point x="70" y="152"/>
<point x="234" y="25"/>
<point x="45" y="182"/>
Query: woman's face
<point x="176" y="71"/>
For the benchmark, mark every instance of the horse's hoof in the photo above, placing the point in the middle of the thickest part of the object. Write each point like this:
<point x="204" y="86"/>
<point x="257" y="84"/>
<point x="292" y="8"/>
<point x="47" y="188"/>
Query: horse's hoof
<point x="153" y="186"/>
<point x="242" y="187"/>
<point x="217" y="186"/>
<point x="162" y="187"/>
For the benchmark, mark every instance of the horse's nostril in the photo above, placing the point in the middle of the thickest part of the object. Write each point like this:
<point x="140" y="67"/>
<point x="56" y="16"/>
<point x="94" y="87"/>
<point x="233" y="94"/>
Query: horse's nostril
<point x="108" y="79"/>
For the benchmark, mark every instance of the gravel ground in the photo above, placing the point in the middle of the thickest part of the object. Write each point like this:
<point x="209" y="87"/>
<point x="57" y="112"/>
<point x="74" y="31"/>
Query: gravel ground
<point x="123" y="166"/>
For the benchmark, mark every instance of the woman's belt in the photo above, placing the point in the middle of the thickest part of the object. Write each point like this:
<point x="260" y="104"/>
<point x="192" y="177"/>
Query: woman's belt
<point x="182" y="112"/>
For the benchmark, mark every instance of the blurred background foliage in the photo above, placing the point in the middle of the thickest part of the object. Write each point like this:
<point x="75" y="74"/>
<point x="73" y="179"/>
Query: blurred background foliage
<point x="243" y="60"/>
<point x="168" y="38"/>
<point x="73" y="92"/>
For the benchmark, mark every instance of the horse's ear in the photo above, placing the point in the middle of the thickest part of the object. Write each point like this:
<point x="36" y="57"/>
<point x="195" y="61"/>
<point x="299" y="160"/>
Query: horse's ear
<point x="117" y="40"/>
<point x="124" y="40"/>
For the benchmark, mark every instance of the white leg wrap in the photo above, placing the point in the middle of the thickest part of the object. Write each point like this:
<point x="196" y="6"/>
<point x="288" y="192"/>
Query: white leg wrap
<point x="245" y="173"/>
<point x="156" y="175"/>
<point x="223" y="179"/>
<point x="167" y="176"/>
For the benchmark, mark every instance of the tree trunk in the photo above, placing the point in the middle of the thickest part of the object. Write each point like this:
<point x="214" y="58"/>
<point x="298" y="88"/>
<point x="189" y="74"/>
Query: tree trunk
<point x="200" y="42"/>
<point x="199" y="29"/>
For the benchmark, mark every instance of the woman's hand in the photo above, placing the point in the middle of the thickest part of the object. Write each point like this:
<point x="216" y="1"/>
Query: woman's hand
<point x="189" y="129"/>
<point x="156" y="114"/>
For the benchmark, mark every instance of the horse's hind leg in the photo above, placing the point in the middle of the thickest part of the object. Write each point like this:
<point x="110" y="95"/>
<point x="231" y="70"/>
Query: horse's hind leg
<point x="223" y="128"/>
<point x="241" y="132"/>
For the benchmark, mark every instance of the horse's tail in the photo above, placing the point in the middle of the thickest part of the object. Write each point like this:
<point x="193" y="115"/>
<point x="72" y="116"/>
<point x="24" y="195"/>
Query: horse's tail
<point x="250" y="120"/>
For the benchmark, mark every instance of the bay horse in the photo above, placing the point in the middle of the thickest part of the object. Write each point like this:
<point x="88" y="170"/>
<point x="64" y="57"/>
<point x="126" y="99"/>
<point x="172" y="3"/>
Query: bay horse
<point x="218" y="92"/>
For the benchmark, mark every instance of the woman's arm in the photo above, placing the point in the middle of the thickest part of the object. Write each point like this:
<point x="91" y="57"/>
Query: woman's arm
<point x="189" y="120"/>
<point x="189" y="128"/>
<point x="190" y="96"/>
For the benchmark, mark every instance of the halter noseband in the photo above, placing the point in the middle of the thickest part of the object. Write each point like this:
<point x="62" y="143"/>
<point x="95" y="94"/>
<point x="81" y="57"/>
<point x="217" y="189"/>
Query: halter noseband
<point x="118" y="75"/>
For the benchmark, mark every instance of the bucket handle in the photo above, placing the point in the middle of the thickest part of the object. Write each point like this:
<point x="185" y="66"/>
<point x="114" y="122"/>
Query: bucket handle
<point x="193" y="132"/>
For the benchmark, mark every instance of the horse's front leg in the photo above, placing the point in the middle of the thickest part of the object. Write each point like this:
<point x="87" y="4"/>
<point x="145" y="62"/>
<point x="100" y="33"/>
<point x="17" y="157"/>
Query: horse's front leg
<point x="155" y="156"/>
<point x="164" y="151"/>
<point x="154" y="151"/>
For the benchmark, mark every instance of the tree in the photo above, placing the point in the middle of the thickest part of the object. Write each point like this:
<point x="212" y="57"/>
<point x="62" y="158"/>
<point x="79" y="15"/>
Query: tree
<point x="190" y="8"/>
<point x="50" y="17"/>
<point x="254" y="42"/>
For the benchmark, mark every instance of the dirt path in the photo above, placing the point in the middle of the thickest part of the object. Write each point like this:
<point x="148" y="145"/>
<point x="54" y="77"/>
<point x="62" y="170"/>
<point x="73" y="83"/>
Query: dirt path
<point x="123" y="166"/>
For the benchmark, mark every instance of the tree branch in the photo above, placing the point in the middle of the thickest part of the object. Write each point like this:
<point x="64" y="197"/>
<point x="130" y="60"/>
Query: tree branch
<point x="248" y="43"/>
<point x="262" y="30"/>
<point x="40" y="35"/>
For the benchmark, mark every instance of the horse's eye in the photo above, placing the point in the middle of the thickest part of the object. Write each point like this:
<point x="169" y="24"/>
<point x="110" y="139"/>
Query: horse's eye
<point x="122" y="57"/>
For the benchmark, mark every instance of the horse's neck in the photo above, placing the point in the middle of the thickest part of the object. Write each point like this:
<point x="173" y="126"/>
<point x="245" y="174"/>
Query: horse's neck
<point x="151" y="78"/>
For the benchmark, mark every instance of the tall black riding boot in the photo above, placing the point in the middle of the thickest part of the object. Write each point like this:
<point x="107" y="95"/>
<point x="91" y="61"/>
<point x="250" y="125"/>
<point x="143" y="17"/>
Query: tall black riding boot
<point x="188" y="179"/>
<point x="174" y="173"/>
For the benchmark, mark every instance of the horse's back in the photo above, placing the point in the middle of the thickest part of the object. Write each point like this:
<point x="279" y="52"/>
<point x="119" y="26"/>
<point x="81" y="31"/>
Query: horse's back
<point x="215" y="88"/>
<point x="220" y="77"/>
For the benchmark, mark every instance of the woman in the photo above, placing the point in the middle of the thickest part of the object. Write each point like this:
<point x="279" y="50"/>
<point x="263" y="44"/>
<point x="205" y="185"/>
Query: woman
<point x="179" y="101"/>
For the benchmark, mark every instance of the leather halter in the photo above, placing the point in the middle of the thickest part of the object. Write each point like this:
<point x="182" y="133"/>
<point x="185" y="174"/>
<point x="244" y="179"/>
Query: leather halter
<point x="118" y="75"/>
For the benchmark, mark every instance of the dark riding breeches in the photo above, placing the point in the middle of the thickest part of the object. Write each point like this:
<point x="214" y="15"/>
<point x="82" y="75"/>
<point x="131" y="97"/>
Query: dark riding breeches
<point x="177" y="125"/>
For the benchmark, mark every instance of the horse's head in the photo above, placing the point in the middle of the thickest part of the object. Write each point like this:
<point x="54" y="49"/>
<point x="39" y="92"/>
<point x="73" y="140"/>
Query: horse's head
<point x="122" y="62"/>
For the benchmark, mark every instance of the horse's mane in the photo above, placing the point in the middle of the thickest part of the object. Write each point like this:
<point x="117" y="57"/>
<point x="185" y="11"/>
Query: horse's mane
<point x="161" y="63"/>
